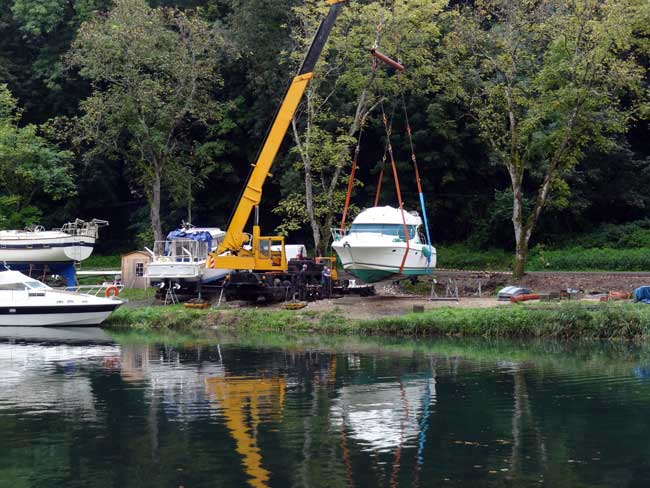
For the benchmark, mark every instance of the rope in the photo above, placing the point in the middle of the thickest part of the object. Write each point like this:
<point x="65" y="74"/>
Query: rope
<point x="383" y="159"/>
<point x="415" y="168"/>
<point x="353" y="171"/>
<point x="378" y="34"/>
<point x="397" y="189"/>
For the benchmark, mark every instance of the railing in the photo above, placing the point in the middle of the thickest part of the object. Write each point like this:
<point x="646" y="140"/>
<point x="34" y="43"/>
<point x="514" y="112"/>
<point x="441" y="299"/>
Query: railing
<point x="82" y="228"/>
<point x="180" y="251"/>
<point x="94" y="290"/>
<point x="396" y="233"/>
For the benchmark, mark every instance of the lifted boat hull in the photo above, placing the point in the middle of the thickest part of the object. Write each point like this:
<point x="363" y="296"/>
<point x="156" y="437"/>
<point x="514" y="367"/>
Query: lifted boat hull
<point x="373" y="263"/>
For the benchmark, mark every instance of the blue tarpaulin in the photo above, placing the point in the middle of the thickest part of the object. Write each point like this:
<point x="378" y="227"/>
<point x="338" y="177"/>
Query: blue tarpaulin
<point x="642" y="294"/>
<point x="201" y="236"/>
<point x="37" y="270"/>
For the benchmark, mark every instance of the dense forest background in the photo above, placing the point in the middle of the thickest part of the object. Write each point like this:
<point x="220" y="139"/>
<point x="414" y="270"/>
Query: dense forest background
<point x="54" y="64"/>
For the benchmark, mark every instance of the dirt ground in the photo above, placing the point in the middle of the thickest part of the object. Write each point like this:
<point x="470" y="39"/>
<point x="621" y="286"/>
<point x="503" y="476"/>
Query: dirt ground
<point x="475" y="290"/>
<point x="545" y="282"/>
<point x="386" y="305"/>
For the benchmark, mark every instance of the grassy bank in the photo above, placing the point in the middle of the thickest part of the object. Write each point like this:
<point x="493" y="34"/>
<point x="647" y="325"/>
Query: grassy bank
<point x="458" y="256"/>
<point x="571" y="321"/>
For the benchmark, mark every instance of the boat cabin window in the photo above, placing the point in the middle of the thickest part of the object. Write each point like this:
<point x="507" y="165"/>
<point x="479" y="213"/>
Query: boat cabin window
<point x="13" y="286"/>
<point x="396" y="230"/>
<point x="35" y="285"/>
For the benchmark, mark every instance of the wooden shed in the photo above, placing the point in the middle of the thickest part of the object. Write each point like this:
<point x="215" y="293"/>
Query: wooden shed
<point x="134" y="269"/>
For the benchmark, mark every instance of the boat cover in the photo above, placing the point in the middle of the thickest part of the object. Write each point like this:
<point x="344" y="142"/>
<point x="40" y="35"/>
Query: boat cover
<point x="66" y="270"/>
<point x="201" y="236"/>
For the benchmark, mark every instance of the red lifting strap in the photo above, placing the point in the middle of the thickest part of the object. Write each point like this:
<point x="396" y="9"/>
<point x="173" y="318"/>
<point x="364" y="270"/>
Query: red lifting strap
<point x="352" y="175"/>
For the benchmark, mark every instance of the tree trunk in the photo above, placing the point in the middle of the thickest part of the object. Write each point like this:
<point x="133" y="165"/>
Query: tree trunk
<point x="154" y="209"/>
<point x="309" y="199"/>
<point x="521" y="254"/>
<point x="521" y="231"/>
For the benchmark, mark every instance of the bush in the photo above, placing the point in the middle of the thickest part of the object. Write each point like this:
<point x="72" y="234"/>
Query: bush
<point x="541" y="258"/>
<point x="594" y="259"/>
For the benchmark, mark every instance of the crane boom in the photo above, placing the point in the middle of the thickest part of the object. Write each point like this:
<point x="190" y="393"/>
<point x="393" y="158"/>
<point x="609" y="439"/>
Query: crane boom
<point x="260" y="254"/>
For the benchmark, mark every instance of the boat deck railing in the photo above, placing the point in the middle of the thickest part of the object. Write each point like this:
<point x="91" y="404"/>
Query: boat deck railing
<point x="82" y="228"/>
<point x="395" y="232"/>
<point x="101" y="290"/>
<point x="180" y="251"/>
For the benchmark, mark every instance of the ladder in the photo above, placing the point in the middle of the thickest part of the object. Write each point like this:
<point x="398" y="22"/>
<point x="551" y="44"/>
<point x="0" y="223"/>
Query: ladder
<point x="170" y="296"/>
<point x="451" y="292"/>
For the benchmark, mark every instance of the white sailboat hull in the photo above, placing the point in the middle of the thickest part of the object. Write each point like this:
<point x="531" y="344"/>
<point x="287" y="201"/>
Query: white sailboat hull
<point x="44" y="247"/>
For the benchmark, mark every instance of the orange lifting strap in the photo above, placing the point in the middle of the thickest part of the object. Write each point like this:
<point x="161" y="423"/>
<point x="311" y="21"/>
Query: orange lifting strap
<point x="397" y="187"/>
<point x="353" y="171"/>
<point x="387" y="151"/>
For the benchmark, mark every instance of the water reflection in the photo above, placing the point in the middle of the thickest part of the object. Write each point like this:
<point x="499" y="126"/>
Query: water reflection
<point x="361" y="414"/>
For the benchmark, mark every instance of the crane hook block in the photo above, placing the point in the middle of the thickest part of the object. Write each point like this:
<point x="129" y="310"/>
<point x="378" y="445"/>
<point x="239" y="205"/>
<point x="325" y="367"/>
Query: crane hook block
<point x="385" y="59"/>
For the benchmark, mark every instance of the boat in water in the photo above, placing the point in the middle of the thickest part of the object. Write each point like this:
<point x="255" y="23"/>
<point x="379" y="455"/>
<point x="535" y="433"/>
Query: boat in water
<point x="375" y="247"/>
<point x="384" y="416"/>
<point x="26" y="302"/>
<point x="72" y="242"/>
<point x="181" y="258"/>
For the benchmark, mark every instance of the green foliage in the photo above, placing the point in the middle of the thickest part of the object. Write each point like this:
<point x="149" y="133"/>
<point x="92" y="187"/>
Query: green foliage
<point x="153" y="72"/>
<point x="541" y="258"/>
<point x="567" y="321"/>
<point x="544" y="82"/>
<point x="169" y="317"/>
<point x="96" y="261"/>
<point x="563" y="322"/>
<point x="590" y="259"/>
<point x="345" y="91"/>
<point x="31" y="168"/>
<point x="460" y="256"/>
<point x="630" y="235"/>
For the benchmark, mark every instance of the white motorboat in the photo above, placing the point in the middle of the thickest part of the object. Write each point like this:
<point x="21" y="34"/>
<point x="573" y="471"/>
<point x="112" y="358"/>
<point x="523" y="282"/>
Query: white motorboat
<point x="376" y="248"/>
<point x="182" y="257"/>
<point x="26" y="302"/>
<point x="72" y="242"/>
<point x="383" y="416"/>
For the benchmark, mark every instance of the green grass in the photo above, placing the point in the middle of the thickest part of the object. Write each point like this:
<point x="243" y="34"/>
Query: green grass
<point x="95" y="261"/>
<point x="571" y="321"/>
<point x="174" y="317"/>
<point x="458" y="256"/>
<point x="137" y="293"/>
<point x="567" y="321"/>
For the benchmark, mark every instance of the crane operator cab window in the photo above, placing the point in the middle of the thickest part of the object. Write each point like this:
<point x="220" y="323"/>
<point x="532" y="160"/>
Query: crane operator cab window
<point x="276" y="252"/>
<point x="264" y="249"/>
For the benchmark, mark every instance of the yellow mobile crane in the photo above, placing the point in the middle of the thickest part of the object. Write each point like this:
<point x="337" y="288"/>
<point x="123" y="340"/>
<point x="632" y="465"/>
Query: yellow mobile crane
<point x="259" y="263"/>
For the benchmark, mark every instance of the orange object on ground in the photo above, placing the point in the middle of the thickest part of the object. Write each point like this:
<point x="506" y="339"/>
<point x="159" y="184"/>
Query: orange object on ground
<point x="524" y="298"/>
<point x="619" y="295"/>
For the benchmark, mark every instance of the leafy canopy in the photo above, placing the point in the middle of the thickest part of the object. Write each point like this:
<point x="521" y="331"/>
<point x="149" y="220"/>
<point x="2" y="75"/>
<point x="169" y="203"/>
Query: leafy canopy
<point x="30" y="167"/>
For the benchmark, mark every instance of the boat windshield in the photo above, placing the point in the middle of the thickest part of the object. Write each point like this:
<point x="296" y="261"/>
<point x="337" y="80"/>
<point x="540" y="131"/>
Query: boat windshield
<point x="396" y="230"/>
<point x="35" y="285"/>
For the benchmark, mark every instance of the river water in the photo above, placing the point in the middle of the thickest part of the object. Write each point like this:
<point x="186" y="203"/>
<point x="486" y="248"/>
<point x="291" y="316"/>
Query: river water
<point x="84" y="408"/>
